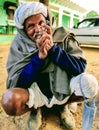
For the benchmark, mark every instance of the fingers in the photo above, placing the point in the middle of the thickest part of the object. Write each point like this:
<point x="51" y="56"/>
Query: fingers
<point x="47" y="28"/>
<point x="40" y="41"/>
<point x="44" y="42"/>
<point x="48" y="45"/>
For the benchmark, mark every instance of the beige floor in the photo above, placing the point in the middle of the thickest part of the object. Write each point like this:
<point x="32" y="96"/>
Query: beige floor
<point x="50" y="119"/>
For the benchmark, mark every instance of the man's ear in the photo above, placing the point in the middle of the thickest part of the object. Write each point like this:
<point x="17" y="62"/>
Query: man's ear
<point x="47" y="22"/>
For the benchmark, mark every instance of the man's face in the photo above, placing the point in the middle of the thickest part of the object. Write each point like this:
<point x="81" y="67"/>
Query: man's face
<point x="33" y="25"/>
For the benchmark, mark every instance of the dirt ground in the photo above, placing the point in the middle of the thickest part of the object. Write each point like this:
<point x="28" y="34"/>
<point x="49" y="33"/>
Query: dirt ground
<point x="50" y="120"/>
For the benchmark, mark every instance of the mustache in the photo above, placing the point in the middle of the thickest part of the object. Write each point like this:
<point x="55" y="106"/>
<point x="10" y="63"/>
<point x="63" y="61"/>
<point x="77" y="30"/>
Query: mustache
<point x="37" y="35"/>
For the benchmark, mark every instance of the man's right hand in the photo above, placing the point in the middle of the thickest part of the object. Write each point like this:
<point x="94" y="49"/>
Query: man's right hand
<point x="44" y="43"/>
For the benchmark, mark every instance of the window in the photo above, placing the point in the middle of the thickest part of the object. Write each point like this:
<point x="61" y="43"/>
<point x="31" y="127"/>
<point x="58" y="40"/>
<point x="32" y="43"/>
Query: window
<point x="11" y="11"/>
<point x="88" y="23"/>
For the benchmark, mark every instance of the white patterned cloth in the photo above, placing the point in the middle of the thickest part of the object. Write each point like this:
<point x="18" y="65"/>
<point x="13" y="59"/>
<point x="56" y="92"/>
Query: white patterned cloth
<point x="88" y="83"/>
<point x="38" y="99"/>
<point x="89" y="87"/>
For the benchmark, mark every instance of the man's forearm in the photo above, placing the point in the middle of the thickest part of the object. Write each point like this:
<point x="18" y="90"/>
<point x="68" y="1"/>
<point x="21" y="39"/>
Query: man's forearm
<point x="69" y="63"/>
<point x="29" y="72"/>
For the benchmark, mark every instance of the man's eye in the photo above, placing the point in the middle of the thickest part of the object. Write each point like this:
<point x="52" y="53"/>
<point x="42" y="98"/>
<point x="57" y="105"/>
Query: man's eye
<point x="42" y="23"/>
<point x="30" y="27"/>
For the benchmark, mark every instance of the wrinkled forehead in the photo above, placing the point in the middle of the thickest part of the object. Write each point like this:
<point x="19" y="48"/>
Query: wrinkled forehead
<point x="26" y="10"/>
<point x="35" y="19"/>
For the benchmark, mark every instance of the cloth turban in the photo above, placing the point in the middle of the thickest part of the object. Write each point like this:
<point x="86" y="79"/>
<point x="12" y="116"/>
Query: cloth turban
<point x="28" y="9"/>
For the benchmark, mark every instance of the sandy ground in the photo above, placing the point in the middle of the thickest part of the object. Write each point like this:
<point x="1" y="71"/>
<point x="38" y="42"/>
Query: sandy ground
<point x="50" y="116"/>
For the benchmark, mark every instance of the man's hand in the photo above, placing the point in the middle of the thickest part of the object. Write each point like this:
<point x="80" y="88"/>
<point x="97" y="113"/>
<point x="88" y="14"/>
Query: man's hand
<point x="45" y="42"/>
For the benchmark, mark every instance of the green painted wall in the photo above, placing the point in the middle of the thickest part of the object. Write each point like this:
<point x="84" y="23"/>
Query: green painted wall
<point x="65" y="21"/>
<point x="75" y="21"/>
<point x="6" y="39"/>
<point x="4" y="17"/>
<point x="55" y="15"/>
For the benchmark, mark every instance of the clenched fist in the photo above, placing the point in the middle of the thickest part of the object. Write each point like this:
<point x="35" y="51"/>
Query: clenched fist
<point x="44" y="41"/>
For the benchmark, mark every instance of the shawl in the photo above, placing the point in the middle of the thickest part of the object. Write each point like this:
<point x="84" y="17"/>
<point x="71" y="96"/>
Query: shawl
<point x="27" y="9"/>
<point x="22" y="47"/>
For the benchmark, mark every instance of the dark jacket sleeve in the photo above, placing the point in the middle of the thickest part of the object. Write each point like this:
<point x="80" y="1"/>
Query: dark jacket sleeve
<point x="30" y="71"/>
<point x="71" y="64"/>
<point x="67" y="53"/>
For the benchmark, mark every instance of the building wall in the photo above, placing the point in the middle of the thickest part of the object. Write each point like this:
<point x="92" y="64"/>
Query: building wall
<point x="3" y="17"/>
<point x="63" y="15"/>
<point x="66" y="16"/>
<point x="65" y="20"/>
<point x="7" y="9"/>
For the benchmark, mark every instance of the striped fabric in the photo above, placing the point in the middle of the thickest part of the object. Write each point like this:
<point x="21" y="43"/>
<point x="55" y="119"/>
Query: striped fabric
<point x="87" y="81"/>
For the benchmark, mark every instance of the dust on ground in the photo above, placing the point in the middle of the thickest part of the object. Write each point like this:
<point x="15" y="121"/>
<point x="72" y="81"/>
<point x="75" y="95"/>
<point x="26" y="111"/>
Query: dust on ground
<point x="50" y="119"/>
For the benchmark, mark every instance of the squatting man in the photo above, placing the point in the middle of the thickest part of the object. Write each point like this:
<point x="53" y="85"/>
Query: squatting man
<point x="44" y="65"/>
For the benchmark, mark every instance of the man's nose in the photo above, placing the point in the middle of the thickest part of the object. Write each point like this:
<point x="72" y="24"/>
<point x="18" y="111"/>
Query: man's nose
<point x="37" y="28"/>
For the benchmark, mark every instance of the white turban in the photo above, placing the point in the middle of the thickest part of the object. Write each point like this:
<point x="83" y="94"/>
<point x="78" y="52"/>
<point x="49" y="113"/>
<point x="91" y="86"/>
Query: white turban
<point x="28" y="9"/>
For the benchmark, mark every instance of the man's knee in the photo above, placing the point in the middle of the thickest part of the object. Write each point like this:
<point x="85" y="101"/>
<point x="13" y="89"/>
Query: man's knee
<point x="87" y="82"/>
<point x="8" y="101"/>
<point x="12" y="100"/>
